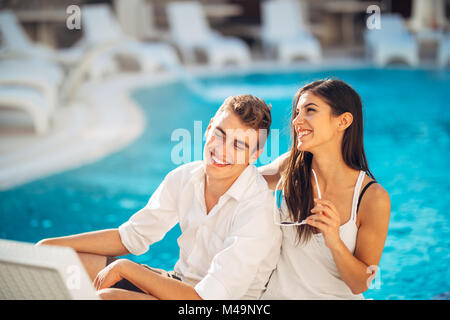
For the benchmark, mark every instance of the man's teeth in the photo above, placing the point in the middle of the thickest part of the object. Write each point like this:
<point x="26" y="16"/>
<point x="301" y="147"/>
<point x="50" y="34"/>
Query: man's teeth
<point x="217" y="160"/>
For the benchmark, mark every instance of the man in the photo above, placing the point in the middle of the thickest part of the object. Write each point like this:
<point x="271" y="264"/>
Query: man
<point x="229" y="244"/>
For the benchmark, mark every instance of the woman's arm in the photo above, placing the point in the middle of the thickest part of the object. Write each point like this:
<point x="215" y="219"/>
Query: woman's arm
<point x="271" y="171"/>
<point x="357" y="270"/>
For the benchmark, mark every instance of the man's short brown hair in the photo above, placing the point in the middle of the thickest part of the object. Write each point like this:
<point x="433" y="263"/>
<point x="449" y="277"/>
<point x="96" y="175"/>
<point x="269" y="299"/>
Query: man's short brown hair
<point x="252" y="111"/>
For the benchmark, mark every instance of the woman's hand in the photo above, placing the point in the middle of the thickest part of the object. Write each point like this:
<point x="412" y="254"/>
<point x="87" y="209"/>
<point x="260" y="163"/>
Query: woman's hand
<point x="327" y="219"/>
<point x="110" y="275"/>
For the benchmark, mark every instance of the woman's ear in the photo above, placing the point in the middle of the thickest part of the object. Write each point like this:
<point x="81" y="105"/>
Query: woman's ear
<point x="345" y="120"/>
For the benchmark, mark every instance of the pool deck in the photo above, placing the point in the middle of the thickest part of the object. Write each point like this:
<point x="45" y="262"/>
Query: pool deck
<point x="100" y="119"/>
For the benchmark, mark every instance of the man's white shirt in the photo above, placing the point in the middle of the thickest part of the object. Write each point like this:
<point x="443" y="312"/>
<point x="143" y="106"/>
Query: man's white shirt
<point x="228" y="253"/>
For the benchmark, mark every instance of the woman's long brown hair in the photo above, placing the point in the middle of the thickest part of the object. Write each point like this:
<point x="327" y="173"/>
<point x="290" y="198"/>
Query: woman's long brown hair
<point x="297" y="187"/>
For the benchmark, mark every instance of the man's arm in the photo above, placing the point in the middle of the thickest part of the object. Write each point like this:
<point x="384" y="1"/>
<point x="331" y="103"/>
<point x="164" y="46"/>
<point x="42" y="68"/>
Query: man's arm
<point x="134" y="236"/>
<point x="102" y="242"/>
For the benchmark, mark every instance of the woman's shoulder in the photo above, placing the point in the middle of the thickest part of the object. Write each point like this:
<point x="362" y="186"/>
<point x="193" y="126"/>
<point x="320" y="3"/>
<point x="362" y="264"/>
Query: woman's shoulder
<point x="375" y="192"/>
<point x="375" y="203"/>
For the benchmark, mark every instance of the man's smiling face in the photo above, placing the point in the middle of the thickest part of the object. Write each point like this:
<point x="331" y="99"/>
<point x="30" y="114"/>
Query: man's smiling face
<point x="230" y="146"/>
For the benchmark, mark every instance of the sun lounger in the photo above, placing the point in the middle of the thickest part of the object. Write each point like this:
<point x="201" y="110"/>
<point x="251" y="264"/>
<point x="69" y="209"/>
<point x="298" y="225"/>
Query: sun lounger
<point x="391" y="42"/>
<point x="29" y="272"/>
<point x="16" y="44"/>
<point x="284" y="31"/>
<point x="190" y="31"/>
<point x="101" y="26"/>
<point x="40" y="75"/>
<point x="30" y="101"/>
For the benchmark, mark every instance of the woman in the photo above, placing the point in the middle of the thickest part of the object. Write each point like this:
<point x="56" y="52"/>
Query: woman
<point x="333" y="214"/>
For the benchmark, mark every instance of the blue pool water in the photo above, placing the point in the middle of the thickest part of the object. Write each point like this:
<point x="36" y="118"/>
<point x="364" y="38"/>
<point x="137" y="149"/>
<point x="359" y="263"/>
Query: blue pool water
<point x="407" y="132"/>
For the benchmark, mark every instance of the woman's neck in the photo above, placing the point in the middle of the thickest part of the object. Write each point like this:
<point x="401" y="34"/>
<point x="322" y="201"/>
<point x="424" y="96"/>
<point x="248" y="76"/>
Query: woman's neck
<point x="332" y="171"/>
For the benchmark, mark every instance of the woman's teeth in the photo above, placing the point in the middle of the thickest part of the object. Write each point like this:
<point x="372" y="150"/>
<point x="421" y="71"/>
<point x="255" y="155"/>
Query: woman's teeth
<point x="302" y="133"/>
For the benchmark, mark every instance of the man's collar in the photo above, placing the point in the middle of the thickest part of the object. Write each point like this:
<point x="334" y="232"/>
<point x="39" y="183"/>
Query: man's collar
<point x="239" y="186"/>
<point x="242" y="183"/>
<point x="198" y="173"/>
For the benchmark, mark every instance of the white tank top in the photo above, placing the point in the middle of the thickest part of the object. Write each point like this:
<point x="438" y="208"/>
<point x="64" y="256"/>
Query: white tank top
<point x="307" y="270"/>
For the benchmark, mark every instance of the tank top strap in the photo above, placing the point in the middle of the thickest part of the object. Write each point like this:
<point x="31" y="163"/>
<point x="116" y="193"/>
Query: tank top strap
<point x="356" y="192"/>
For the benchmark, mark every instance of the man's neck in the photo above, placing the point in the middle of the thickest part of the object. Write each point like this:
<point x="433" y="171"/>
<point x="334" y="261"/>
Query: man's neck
<point x="214" y="189"/>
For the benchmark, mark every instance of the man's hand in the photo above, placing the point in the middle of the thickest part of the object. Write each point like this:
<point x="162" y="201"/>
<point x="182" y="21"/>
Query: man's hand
<point x="110" y="275"/>
<point x="152" y="283"/>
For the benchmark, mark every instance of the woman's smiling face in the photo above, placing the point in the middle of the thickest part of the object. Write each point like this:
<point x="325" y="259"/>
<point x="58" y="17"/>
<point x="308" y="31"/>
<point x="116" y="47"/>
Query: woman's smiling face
<point x="314" y="123"/>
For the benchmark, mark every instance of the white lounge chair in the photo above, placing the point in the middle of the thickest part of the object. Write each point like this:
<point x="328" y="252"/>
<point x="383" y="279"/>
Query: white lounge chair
<point x="29" y="272"/>
<point x="391" y="42"/>
<point x="15" y="43"/>
<point x="190" y="31"/>
<point x="29" y="100"/>
<point x="443" y="56"/>
<point x="284" y="30"/>
<point x="43" y="75"/>
<point x="51" y="71"/>
<point x="101" y="26"/>
<point x="20" y="73"/>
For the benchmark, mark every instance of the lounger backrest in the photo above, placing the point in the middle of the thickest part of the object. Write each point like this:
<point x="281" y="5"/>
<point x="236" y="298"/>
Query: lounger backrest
<point x="12" y="34"/>
<point x="99" y="24"/>
<point x="188" y="23"/>
<point x="392" y="24"/>
<point x="281" y="19"/>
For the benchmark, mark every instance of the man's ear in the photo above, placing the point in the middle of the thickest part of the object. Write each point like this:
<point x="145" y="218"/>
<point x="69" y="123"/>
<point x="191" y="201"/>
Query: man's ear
<point x="346" y="119"/>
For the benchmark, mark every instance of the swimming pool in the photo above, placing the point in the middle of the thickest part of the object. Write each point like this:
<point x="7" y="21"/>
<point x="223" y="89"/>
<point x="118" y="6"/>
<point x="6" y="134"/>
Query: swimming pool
<point x="407" y="132"/>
